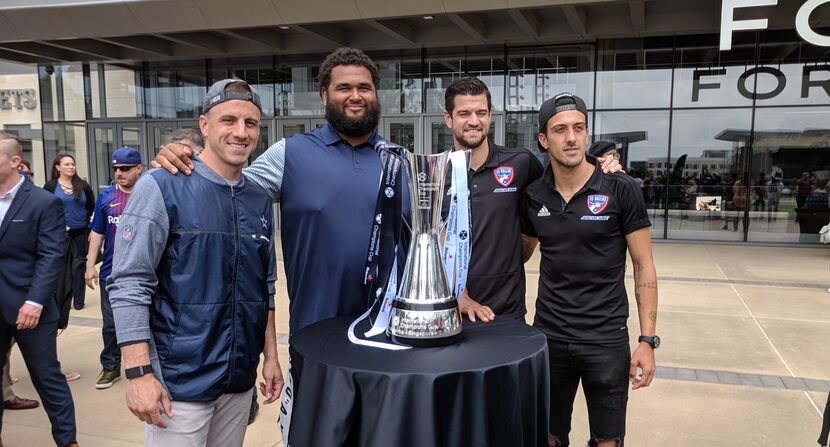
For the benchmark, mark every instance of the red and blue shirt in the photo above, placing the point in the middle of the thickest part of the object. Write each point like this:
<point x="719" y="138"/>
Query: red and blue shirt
<point x="108" y="208"/>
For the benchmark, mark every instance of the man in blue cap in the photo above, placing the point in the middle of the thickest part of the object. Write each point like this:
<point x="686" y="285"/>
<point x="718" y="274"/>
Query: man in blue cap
<point x="126" y="166"/>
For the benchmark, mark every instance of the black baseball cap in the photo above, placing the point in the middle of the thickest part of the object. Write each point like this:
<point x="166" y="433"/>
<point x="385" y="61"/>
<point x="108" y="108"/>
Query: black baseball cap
<point x="559" y="103"/>
<point x="600" y="147"/>
<point x="217" y="94"/>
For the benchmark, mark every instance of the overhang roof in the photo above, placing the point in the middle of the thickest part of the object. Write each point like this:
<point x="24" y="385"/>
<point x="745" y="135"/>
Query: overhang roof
<point x="56" y="31"/>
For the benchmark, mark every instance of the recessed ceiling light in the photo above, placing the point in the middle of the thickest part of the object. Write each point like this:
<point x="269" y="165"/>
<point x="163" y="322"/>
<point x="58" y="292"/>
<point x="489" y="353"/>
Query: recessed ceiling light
<point x="429" y="17"/>
<point x="285" y="27"/>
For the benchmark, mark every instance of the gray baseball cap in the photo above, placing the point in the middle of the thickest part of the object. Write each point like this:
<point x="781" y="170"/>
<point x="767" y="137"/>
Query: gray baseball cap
<point x="217" y="94"/>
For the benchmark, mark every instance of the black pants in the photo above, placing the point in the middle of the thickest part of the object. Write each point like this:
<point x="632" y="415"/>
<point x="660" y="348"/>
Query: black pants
<point x="80" y="241"/>
<point x="39" y="350"/>
<point x="603" y="370"/>
<point x="111" y="354"/>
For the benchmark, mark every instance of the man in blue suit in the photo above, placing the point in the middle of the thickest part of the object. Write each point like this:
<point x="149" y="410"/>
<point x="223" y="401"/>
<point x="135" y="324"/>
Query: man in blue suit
<point x="32" y="248"/>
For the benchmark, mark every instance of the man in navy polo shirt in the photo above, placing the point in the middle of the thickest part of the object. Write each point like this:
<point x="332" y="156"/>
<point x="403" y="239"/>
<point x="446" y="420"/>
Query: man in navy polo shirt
<point x="326" y="182"/>
<point x="585" y="222"/>
<point x="126" y="164"/>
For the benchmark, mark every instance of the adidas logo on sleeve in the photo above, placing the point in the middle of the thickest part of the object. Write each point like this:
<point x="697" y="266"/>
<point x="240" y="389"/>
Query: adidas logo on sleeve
<point x="543" y="212"/>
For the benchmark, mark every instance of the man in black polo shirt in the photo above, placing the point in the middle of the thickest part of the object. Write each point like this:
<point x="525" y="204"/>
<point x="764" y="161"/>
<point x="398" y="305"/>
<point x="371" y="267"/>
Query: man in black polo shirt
<point x="585" y="221"/>
<point x="496" y="279"/>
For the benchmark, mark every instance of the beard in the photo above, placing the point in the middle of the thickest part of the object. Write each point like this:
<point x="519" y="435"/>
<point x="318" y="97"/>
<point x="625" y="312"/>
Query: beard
<point x="353" y="126"/>
<point x="467" y="142"/>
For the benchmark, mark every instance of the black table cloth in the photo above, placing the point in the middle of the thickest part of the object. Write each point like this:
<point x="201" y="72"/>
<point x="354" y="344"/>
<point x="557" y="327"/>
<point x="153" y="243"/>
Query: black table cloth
<point x="489" y="389"/>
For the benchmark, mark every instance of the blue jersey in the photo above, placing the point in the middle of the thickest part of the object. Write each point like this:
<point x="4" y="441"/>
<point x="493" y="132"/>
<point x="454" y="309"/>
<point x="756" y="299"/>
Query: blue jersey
<point x="111" y="203"/>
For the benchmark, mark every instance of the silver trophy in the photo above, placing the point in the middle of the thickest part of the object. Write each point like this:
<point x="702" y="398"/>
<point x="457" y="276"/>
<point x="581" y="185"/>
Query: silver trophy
<point x="424" y="312"/>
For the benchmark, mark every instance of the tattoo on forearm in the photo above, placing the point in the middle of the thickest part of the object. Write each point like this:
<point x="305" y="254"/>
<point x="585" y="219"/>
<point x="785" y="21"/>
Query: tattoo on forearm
<point x="653" y="316"/>
<point x="647" y="285"/>
<point x="637" y="296"/>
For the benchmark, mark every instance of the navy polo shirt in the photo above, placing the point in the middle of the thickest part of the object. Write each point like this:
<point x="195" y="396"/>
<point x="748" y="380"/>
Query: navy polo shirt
<point x="497" y="277"/>
<point x="327" y="191"/>
<point x="582" y="293"/>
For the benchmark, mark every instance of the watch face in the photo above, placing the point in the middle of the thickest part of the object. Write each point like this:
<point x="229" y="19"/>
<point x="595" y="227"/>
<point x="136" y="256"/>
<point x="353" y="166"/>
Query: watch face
<point x="656" y="342"/>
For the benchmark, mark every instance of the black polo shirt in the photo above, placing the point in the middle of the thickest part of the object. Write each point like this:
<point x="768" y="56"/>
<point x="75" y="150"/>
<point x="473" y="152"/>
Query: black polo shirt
<point x="497" y="276"/>
<point x="582" y="293"/>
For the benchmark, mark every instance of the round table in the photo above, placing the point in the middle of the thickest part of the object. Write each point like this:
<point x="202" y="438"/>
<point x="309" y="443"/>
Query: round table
<point x="489" y="389"/>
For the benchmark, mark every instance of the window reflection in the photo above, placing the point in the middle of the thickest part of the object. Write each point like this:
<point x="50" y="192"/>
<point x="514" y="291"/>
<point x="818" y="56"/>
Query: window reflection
<point x="443" y="70"/>
<point x="642" y="139"/>
<point x="792" y="152"/>
<point x="400" y="86"/>
<point x="62" y="92"/>
<point x="175" y="90"/>
<point x="707" y="196"/>
<point x="115" y="91"/>
<point x="535" y="76"/>
<point x="257" y="72"/>
<point x="299" y="91"/>
<point x="634" y="77"/>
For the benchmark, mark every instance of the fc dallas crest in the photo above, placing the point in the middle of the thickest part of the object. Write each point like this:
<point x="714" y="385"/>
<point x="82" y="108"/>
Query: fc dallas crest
<point x="597" y="203"/>
<point x="504" y="175"/>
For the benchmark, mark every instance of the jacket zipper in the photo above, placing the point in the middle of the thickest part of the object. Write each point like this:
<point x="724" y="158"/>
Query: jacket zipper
<point x="233" y="297"/>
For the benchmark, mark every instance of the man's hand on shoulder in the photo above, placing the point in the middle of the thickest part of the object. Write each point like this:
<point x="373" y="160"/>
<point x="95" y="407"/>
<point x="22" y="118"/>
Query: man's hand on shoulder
<point x="143" y="397"/>
<point x="471" y="308"/>
<point x="174" y="157"/>
<point x="610" y="165"/>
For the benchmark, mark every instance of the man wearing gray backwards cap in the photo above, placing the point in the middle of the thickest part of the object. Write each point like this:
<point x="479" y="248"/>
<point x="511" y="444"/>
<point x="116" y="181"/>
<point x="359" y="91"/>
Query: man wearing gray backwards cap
<point x="126" y="165"/>
<point x="192" y="286"/>
<point x="585" y="221"/>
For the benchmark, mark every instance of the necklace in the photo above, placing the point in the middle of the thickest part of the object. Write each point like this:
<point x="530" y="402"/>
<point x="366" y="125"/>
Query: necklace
<point x="68" y="189"/>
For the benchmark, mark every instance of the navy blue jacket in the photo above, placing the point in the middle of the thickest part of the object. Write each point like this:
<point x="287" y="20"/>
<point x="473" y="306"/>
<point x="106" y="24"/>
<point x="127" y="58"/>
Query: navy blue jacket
<point x="209" y="309"/>
<point x="32" y="248"/>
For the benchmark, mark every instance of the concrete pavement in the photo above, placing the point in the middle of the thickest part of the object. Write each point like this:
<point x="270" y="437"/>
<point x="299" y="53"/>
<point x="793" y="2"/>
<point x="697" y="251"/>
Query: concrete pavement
<point x="743" y="361"/>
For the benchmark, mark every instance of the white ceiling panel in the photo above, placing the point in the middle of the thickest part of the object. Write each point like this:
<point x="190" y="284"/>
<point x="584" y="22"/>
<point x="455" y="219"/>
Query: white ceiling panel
<point x="474" y="5"/>
<point x="8" y="32"/>
<point x="173" y="15"/>
<point x="42" y="23"/>
<point x="254" y="13"/>
<point x="310" y="11"/>
<point x="104" y="20"/>
<point x="387" y="8"/>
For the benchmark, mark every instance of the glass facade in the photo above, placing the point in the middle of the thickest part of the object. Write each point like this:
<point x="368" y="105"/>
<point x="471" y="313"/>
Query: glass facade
<point x="727" y="146"/>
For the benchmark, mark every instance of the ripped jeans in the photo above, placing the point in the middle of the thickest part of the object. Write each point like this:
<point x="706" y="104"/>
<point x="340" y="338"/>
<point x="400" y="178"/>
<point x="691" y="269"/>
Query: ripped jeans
<point x="603" y="369"/>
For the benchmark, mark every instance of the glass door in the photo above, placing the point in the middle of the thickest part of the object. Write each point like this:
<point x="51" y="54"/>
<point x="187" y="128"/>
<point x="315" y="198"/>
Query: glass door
<point x="160" y="132"/>
<point x="104" y="139"/>
<point x="290" y="126"/>
<point x="404" y="130"/>
<point x="266" y="139"/>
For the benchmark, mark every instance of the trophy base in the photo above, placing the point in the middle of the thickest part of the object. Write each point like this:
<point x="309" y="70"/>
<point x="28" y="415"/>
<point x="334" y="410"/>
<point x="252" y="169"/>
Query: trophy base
<point x="425" y="328"/>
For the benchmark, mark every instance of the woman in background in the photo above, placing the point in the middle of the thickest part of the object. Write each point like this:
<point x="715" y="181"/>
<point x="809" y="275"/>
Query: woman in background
<point x="78" y="203"/>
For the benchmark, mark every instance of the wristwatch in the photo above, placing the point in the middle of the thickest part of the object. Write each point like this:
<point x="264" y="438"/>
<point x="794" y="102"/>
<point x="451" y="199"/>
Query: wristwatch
<point x="653" y="341"/>
<point x="138" y="371"/>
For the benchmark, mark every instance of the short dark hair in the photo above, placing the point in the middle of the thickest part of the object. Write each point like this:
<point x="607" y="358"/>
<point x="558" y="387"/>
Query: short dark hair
<point x="469" y="86"/>
<point x="188" y="134"/>
<point x="346" y="56"/>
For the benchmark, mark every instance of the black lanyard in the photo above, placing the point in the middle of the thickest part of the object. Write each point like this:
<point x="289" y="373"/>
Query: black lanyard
<point x="386" y="223"/>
